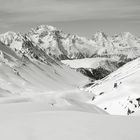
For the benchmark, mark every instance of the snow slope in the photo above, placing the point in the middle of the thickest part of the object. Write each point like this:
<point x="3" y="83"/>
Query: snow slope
<point x="28" y="72"/>
<point x="118" y="93"/>
<point x="67" y="125"/>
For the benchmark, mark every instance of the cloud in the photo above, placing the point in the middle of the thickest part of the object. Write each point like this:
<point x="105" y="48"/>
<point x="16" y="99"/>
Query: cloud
<point x="13" y="12"/>
<point x="54" y="10"/>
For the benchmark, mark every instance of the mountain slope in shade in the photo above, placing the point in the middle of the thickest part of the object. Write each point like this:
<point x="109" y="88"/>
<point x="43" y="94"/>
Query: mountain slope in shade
<point x="118" y="93"/>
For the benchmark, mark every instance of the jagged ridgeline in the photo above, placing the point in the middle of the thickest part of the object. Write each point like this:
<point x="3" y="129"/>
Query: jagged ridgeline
<point x="47" y="41"/>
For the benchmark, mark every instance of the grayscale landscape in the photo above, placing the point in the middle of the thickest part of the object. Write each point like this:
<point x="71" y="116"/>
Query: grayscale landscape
<point x="69" y="70"/>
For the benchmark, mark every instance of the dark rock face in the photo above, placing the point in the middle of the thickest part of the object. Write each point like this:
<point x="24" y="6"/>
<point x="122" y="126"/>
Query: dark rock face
<point x="96" y="74"/>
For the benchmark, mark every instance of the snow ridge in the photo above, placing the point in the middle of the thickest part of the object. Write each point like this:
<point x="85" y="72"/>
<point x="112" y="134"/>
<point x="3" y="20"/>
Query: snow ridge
<point x="64" y="46"/>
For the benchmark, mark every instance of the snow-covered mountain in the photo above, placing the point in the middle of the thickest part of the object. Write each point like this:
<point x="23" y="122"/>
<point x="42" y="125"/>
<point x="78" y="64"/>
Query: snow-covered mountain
<point x="28" y="70"/>
<point x="38" y="81"/>
<point x="39" y="61"/>
<point x="65" y="46"/>
<point x="53" y="41"/>
<point x="118" y="49"/>
<point x="118" y="93"/>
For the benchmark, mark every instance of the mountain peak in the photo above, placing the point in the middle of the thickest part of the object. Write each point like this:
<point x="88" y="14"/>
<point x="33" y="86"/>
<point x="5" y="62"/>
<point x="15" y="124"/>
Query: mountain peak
<point x="127" y="34"/>
<point x="7" y="37"/>
<point x="8" y="34"/>
<point x="41" y="28"/>
<point x="99" y="35"/>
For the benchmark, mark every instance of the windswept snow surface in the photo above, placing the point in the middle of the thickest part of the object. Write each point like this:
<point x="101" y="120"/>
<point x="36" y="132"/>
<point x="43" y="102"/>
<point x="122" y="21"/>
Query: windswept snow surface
<point x="119" y="93"/>
<point x="67" y="125"/>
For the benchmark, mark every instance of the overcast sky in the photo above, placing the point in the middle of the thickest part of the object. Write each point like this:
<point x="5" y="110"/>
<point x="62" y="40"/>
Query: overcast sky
<point x="83" y="17"/>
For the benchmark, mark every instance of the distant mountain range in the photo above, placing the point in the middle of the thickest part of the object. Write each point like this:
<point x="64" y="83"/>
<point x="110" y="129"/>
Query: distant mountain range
<point x="114" y="51"/>
<point x="65" y="46"/>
